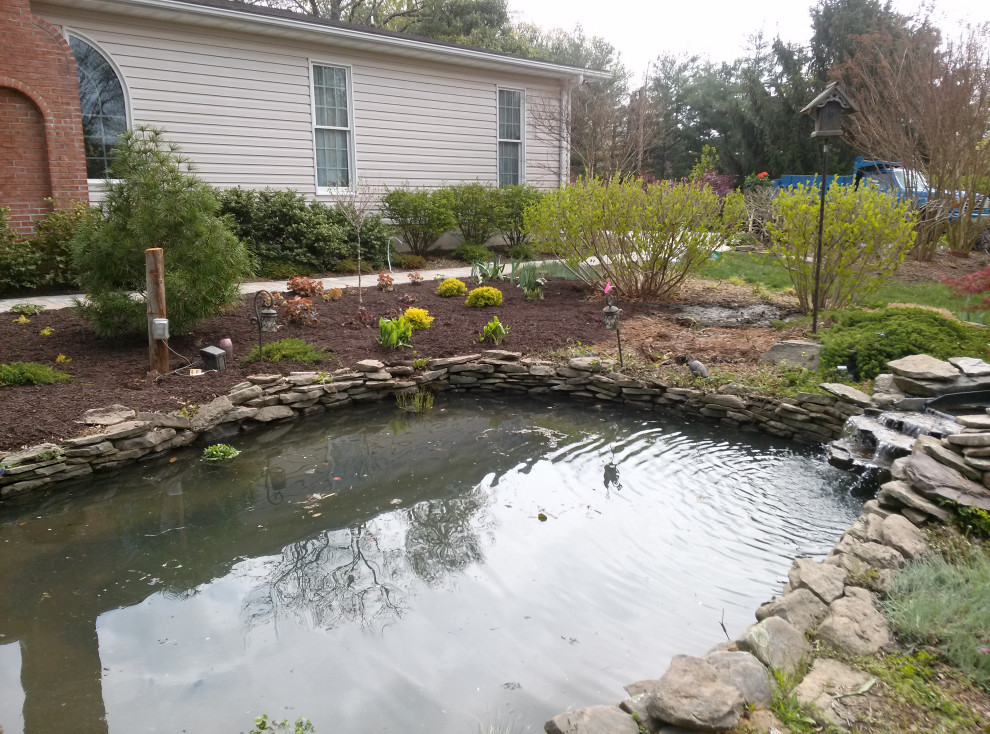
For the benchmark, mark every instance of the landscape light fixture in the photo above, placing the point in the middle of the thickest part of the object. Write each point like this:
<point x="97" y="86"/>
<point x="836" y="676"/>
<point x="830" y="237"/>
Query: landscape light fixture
<point x="827" y="108"/>
<point x="611" y="312"/>
<point x="265" y="317"/>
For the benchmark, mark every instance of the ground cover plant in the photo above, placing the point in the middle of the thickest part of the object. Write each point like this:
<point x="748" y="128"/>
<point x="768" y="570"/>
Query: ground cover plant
<point x="287" y="350"/>
<point x="865" y="341"/>
<point x="30" y="373"/>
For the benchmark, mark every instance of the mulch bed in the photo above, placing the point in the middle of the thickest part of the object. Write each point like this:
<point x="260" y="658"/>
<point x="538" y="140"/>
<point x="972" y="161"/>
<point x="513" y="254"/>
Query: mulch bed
<point x="106" y="372"/>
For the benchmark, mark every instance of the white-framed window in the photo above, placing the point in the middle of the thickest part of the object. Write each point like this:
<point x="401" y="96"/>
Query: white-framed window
<point x="511" y="155"/>
<point x="333" y="127"/>
<point x="103" y="102"/>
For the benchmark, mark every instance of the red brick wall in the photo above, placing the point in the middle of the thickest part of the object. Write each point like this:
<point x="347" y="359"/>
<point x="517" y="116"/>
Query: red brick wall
<point x="41" y="142"/>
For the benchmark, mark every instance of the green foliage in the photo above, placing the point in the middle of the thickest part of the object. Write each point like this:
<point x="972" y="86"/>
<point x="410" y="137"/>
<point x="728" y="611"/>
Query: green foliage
<point x="494" y="270"/>
<point x="52" y="240"/>
<point x="394" y="333"/>
<point x="220" y="452"/>
<point x="288" y="350"/>
<point x="973" y="521"/>
<point x="417" y="402"/>
<point x="27" y="309"/>
<point x="865" y="341"/>
<point x="785" y="705"/>
<point x="153" y="200"/>
<point x="283" y="229"/>
<point x="469" y="252"/>
<point x="644" y="240"/>
<point x="262" y="725"/>
<point x="913" y="681"/>
<point x="944" y="605"/>
<point x="494" y="331"/>
<point x="409" y="261"/>
<point x="451" y="287"/>
<point x="867" y="234"/>
<point x="29" y="373"/>
<point x="420" y="216"/>
<point x="477" y="208"/>
<point x="707" y="162"/>
<point x="513" y="203"/>
<point x="531" y="280"/>
<point x="484" y="296"/>
<point x="20" y="263"/>
<point x="418" y="318"/>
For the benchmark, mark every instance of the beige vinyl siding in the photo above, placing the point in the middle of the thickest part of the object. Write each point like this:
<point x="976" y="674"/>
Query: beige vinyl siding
<point x="240" y="106"/>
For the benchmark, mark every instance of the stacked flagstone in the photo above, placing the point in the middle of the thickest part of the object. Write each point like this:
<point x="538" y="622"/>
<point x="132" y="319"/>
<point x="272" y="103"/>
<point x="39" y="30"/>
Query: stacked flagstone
<point x="119" y="435"/>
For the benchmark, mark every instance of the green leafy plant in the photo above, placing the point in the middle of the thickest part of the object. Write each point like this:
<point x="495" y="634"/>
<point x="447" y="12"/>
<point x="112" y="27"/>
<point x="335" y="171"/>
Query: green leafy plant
<point x="484" y="296"/>
<point x="220" y="452"/>
<point x="418" y="318"/>
<point x="52" y="454"/>
<point x="288" y="350"/>
<point x="787" y="708"/>
<point x="283" y="230"/>
<point x="420" y="216"/>
<point x="451" y="287"/>
<point x="421" y="363"/>
<point x="20" y="263"/>
<point x="644" y="239"/>
<point x="530" y="279"/>
<point x="26" y="309"/>
<point x="30" y="373"/>
<point x="494" y="270"/>
<point x="864" y="341"/>
<point x="513" y="203"/>
<point x="477" y="209"/>
<point x="867" y="234"/>
<point x="417" y="402"/>
<point x="262" y="725"/>
<point x="394" y="333"/>
<point x="494" y="331"/>
<point x="154" y="200"/>
<point x="47" y="331"/>
<point x="408" y="261"/>
<point x="52" y="239"/>
<point x="470" y="252"/>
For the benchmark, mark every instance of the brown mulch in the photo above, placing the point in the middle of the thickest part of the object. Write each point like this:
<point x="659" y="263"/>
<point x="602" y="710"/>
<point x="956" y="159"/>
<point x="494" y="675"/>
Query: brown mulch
<point x="106" y="372"/>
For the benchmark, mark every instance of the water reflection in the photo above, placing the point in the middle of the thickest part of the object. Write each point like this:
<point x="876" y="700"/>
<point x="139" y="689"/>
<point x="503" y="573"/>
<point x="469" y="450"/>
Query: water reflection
<point x="323" y="537"/>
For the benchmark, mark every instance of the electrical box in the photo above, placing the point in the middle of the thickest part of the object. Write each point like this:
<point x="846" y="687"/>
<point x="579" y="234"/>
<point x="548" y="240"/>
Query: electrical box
<point x="159" y="329"/>
<point x="214" y="358"/>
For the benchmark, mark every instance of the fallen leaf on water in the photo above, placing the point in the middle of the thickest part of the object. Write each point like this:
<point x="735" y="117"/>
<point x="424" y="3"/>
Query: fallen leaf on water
<point x="173" y="459"/>
<point x="541" y="517"/>
<point x="396" y="501"/>
<point x="317" y="514"/>
<point x="336" y="479"/>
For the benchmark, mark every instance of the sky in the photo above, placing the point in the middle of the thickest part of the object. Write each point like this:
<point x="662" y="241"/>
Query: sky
<point x="643" y="29"/>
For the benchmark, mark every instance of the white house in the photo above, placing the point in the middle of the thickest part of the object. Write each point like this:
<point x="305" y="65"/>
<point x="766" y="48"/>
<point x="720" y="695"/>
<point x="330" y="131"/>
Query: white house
<point x="266" y="98"/>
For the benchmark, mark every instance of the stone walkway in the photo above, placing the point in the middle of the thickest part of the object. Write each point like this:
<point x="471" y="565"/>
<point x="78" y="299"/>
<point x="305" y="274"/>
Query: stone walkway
<point x="64" y="301"/>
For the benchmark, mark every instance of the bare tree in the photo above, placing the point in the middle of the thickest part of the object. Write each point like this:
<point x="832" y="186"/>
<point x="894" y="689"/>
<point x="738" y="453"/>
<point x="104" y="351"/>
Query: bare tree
<point x="929" y="108"/>
<point x="377" y="13"/>
<point x="355" y="206"/>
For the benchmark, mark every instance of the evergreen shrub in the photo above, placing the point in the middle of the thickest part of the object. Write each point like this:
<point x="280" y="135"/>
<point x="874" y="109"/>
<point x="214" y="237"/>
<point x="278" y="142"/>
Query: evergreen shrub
<point x="865" y="341"/>
<point x="420" y="216"/>
<point x="154" y="200"/>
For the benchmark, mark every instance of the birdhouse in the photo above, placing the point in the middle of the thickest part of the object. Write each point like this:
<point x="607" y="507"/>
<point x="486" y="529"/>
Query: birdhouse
<point x="827" y="108"/>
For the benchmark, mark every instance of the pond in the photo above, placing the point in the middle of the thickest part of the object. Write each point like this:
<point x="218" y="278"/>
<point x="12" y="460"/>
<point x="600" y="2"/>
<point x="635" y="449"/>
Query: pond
<point x="486" y="565"/>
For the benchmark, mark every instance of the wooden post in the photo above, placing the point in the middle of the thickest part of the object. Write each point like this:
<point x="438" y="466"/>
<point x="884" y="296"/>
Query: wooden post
<point x="154" y="265"/>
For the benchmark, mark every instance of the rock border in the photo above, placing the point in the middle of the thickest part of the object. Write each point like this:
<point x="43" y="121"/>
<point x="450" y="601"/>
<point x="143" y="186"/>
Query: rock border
<point x="118" y="436"/>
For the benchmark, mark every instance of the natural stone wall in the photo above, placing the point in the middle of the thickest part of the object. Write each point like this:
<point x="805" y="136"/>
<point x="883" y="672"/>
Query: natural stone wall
<point x="119" y="435"/>
<point x="833" y="600"/>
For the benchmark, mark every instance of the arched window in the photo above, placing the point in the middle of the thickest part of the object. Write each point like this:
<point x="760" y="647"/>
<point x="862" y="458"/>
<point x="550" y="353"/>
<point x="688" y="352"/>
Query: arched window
<point x="104" y="111"/>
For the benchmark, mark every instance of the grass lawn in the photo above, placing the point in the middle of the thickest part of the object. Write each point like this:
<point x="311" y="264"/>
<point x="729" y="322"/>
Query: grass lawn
<point x="755" y="268"/>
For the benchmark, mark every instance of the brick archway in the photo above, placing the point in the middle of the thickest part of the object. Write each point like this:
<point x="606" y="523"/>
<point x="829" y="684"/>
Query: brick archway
<point x="24" y="159"/>
<point x="39" y="97"/>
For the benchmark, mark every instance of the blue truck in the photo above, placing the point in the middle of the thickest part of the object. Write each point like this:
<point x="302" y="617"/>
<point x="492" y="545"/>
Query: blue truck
<point x="888" y="176"/>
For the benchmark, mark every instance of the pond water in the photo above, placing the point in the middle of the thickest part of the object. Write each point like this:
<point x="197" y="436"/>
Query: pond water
<point x="489" y="564"/>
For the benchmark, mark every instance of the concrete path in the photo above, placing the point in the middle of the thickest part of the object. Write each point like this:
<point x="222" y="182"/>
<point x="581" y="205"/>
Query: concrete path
<point x="368" y="281"/>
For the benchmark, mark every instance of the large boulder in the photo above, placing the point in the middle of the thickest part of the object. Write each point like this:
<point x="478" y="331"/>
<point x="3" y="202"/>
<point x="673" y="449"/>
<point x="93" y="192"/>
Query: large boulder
<point x="825" y="582"/>
<point x="825" y="687"/>
<point x="746" y="673"/>
<point x="794" y="353"/>
<point x="901" y="534"/>
<point x="923" y="367"/>
<point x="854" y="626"/>
<point x="693" y="694"/>
<point x="936" y="481"/>
<point x="799" y="607"/>
<point x="593" y="720"/>
<point x="776" y="644"/>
